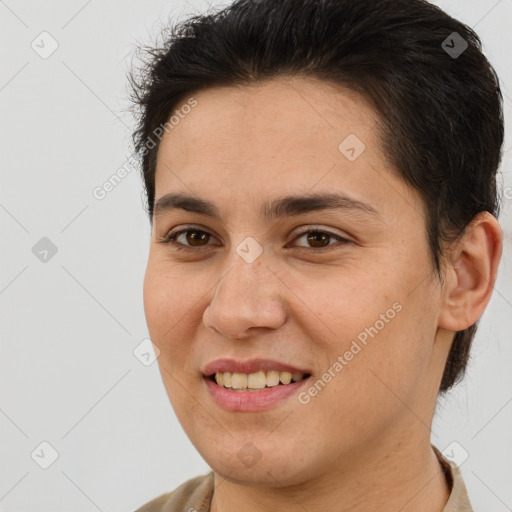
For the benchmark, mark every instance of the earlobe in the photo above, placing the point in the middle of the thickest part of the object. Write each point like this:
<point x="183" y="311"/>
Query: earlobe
<point x="471" y="273"/>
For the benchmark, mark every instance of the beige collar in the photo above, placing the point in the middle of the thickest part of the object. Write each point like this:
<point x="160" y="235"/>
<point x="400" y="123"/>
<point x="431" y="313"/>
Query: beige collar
<point x="459" y="499"/>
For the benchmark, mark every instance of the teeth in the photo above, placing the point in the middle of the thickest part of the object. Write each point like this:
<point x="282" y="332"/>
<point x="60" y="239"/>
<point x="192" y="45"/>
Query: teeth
<point x="257" y="380"/>
<point x="226" y="379"/>
<point x="239" y="381"/>
<point x="272" y="378"/>
<point x="285" y="377"/>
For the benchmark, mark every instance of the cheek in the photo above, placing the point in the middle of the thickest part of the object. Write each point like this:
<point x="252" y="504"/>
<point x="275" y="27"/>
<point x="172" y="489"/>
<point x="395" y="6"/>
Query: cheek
<point x="344" y="303"/>
<point x="168" y="295"/>
<point x="157" y="301"/>
<point x="162" y="306"/>
<point x="172" y="306"/>
<point x="370" y="319"/>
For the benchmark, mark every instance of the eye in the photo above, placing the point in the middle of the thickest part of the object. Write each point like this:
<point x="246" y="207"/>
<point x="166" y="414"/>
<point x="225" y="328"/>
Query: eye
<point x="190" y="238"/>
<point x="193" y="238"/>
<point x="318" y="238"/>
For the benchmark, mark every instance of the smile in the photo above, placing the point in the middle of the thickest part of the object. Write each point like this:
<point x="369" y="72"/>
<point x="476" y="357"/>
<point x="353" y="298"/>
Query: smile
<point x="255" y="381"/>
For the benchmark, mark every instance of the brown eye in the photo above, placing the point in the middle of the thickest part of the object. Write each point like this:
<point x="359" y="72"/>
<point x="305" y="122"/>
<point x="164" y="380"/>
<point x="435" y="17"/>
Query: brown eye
<point x="187" y="239"/>
<point x="318" y="239"/>
<point x="191" y="239"/>
<point x="196" y="238"/>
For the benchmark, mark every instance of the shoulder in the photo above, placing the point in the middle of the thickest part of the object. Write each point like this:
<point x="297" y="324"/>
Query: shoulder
<point x="194" y="495"/>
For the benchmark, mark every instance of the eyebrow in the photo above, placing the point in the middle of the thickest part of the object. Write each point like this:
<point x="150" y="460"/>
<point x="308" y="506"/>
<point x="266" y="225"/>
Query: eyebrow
<point x="286" y="206"/>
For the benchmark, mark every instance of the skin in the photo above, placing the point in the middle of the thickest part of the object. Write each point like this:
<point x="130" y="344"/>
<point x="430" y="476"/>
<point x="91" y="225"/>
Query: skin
<point x="363" y="443"/>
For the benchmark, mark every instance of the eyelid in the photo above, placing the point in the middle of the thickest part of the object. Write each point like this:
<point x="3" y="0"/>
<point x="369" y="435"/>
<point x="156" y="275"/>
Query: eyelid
<point x="327" y="230"/>
<point x="183" y="229"/>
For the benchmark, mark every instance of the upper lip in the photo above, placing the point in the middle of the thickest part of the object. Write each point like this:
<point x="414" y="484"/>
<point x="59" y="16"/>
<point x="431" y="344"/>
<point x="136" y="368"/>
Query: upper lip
<point x="250" y="366"/>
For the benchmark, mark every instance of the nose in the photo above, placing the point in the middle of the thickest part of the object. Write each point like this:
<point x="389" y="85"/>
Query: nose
<point x="248" y="297"/>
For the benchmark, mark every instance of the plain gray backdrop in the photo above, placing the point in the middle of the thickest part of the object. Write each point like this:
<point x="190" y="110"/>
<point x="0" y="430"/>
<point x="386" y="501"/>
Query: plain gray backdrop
<point x="72" y="268"/>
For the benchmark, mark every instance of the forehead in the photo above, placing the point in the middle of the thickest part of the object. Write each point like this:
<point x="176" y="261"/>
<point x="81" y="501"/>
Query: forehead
<point x="280" y="136"/>
<point x="289" y="110"/>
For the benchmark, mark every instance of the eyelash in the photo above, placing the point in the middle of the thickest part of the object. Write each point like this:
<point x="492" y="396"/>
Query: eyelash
<point x="170" y="239"/>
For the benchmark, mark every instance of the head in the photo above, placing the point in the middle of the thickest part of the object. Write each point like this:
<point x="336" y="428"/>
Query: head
<point x="263" y="110"/>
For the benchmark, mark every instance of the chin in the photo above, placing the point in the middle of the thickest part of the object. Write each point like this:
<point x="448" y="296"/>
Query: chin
<point x="271" y="469"/>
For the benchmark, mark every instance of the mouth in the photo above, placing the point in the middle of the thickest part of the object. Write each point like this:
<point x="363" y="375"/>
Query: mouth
<point x="252" y="385"/>
<point x="257" y="381"/>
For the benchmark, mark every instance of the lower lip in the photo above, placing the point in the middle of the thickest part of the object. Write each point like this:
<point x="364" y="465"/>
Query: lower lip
<point x="251" y="400"/>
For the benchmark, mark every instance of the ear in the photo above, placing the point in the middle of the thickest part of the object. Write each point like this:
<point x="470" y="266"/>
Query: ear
<point x="471" y="272"/>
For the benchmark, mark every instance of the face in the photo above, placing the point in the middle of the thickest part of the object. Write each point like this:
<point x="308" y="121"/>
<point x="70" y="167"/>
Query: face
<point x="342" y="292"/>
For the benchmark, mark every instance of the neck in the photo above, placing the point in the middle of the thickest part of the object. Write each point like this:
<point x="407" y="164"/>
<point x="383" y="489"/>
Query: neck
<point x="404" y="476"/>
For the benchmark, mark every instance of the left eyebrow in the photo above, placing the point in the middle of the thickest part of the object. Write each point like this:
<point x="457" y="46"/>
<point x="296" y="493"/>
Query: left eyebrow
<point x="297" y="205"/>
<point x="286" y="206"/>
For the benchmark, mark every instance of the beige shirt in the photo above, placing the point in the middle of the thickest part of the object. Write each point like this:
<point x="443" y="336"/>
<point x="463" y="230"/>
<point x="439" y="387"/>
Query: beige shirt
<point x="195" y="495"/>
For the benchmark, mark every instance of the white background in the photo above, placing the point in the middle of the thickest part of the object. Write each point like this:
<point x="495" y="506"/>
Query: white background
<point x="70" y="325"/>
